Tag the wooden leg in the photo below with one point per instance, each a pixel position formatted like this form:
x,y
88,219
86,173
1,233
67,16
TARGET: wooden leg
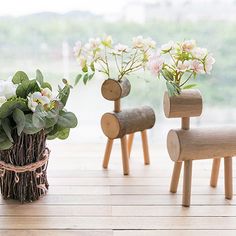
x,y
187,183
130,143
175,177
125,156
107,153
228,178
215,172
145,147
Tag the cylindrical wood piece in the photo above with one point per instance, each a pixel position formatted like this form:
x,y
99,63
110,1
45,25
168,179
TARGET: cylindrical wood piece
x,y
125,156
228,178
130,142
113,90
175,177
107,153
201,143
187,104
145,147
116,125
215,172
187,182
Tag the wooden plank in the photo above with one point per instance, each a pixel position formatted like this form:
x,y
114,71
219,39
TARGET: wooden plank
x,y
102,223
54,210
164,199
56,232
174,232
197,211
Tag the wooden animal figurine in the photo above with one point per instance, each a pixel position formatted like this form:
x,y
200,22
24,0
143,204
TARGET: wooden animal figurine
x,y
119,124
186,145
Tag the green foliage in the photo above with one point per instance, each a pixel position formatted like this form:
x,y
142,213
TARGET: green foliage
x,y
47,112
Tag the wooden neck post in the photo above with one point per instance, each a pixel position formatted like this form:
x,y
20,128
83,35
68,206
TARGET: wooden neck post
x,y
185,123
117,105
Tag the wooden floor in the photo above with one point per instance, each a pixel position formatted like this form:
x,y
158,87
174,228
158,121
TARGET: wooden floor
x,y
86,200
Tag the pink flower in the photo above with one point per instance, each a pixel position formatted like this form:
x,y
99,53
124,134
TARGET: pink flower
x,y
155,65
209,61
197,67
199,53
183,66
188,45
119,48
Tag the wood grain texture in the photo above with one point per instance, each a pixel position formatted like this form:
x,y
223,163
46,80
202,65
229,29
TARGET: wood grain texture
x,y
116,125
187,104
113,90
215,172
201,143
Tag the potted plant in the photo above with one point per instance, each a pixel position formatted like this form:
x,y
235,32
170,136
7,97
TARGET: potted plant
x,y
178,63
29,114
116,62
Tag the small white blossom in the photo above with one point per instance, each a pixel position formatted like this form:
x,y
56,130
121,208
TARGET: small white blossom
x,y
94,43
155,65
138,42
35,99
119,48
188,45
7,89
107,41
77,49
183,66
197,67
168,46
2,100
150,43
47,92
209,61
199,53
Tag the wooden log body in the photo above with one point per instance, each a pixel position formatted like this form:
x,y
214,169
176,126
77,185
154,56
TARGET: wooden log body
x,y
187,104
205,143
114,90
117,124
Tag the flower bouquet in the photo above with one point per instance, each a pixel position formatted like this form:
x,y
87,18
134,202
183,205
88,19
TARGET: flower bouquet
x,y
29,114
114,61
179,62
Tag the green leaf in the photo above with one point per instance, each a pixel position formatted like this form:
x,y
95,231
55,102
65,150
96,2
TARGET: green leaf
x,y
91,76
85,78
64,94
67,120
39,121
46,85
189,86
85,69
26,87
171,88
19,77
7,128
39,77
92,66
63,134
29,127
5,143
77,79
8,107
19,118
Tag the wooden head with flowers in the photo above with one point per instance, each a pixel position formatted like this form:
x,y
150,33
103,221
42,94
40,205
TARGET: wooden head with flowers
x,y
118,61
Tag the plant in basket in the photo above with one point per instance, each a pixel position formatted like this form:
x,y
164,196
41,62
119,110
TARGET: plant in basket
x,y
113,60
29,114
179,62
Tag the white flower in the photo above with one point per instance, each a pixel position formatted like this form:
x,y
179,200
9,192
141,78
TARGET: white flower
x,y
155,65
35,99
138,42
107,41
199,53
7,89
47,92
197,67
188,45
94,43
183,66
209,61
149,43
168,46
119,48
2,100
77,48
